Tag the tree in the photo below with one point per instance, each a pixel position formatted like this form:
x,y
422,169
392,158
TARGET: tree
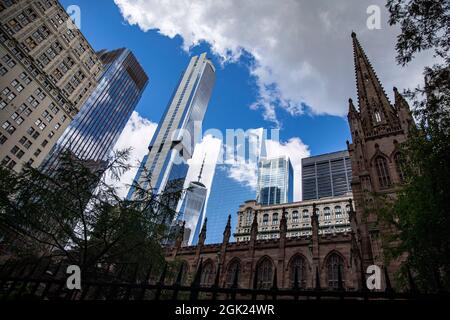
x,y
420,212
74,214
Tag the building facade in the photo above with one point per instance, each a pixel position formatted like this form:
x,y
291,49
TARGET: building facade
x,y
48,70
326,175
377,129
179,130
319,259
271,248
275,181
95,129
332,215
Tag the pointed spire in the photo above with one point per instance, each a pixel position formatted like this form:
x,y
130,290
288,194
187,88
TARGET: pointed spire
x,y
201,169
227,231
371,95
202,235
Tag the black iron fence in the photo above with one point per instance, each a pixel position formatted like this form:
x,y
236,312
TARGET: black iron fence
x,y
46,280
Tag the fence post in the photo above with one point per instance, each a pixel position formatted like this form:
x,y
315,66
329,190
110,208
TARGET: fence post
x,y
145,282
412,286
215,286
160,283
389,291
177,284
317,288
274,288
255,285
49,284
296,285
196,283
234,286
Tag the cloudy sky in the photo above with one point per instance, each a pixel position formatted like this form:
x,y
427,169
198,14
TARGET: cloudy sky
x,y
283,64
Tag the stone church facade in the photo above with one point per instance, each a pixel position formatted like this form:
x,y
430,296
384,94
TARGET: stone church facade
x,y
318,258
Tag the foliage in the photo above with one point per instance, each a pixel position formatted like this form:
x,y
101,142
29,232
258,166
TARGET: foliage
x,y
74,213
420,212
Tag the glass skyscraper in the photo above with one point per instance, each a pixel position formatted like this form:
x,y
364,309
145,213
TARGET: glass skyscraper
x,y
95,130
275,181
227,193
226,196
179,130
326,175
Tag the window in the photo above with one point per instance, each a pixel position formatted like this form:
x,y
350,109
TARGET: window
x,y
383,172
264,274
44,143
377,116
207,276
275,218
295,216
338,211
327,213
335,265
265,219
37,152
305,214
298,266
399,165
232,272
6,125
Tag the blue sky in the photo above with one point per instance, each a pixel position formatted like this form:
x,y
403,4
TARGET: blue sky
x,y
163,59
285,64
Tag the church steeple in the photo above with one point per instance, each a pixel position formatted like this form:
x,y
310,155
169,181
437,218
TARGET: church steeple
x,y
376,112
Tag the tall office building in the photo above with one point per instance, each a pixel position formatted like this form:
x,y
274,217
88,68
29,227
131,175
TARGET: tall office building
x,y
193,208
327,175
227,193
47,70
95,129
275,181
179,129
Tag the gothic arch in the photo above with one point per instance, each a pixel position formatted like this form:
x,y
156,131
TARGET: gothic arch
x,y
264,272
332,263
208,273
303,266
233,266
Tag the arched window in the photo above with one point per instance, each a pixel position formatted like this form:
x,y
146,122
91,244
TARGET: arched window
x,y
249,217
275,218
298,263
377,116
399,165
338,211
295,216
382,172
265,219
264,274
334,264
326,213
207,277
184,272
233,269
305,214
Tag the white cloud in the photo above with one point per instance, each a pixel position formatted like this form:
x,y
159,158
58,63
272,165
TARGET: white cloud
x,y
208,150
302,49
246,172
137,134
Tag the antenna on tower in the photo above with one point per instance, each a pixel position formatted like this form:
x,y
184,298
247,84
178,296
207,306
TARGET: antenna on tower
x,y
201,169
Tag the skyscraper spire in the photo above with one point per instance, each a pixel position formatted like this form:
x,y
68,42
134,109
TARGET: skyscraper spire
x,y
201,169
374,106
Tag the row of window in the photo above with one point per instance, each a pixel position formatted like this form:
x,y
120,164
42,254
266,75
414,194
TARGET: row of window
x,y
299,272
295,215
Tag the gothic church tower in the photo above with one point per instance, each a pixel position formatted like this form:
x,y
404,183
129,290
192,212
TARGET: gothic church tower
x,y
377,127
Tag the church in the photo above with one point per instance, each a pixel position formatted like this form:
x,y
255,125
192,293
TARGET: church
x,y
317,258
